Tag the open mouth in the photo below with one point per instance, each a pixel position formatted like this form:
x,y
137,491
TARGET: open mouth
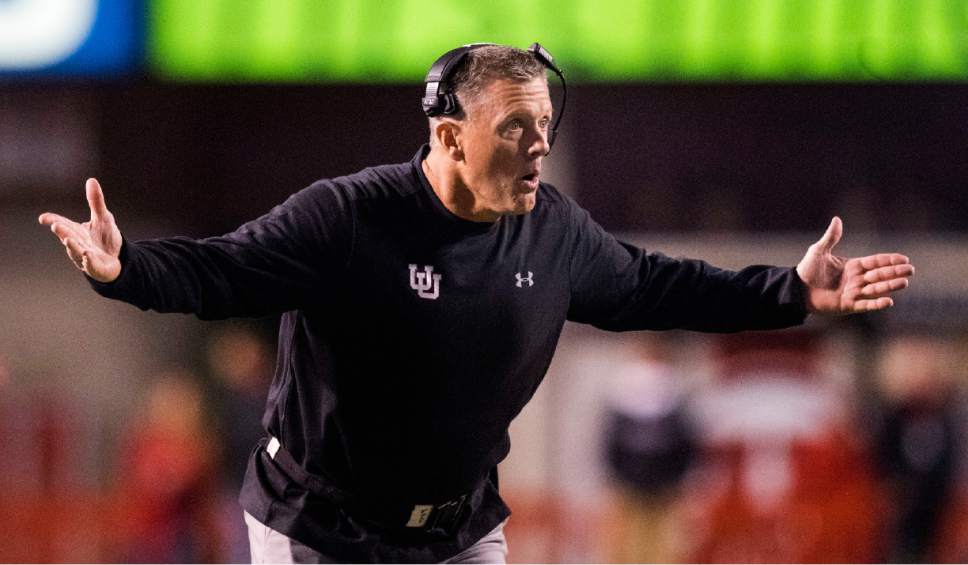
x,y
530,180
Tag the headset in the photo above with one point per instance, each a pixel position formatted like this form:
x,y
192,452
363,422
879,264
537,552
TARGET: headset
x,y
440,99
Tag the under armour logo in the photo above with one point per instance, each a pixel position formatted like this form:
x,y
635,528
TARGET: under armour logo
x,y
521,280
424,281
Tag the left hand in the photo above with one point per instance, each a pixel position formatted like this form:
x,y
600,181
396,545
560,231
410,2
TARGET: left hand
x,y
840,285
94,246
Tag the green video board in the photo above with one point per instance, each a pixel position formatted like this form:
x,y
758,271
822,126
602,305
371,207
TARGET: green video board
x,y
593,40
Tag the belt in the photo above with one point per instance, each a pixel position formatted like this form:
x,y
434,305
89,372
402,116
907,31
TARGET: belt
x,y
441,518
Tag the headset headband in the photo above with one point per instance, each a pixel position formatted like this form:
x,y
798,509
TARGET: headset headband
x,y
439,98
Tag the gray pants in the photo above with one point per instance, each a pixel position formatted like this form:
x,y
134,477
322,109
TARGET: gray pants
x,y
270,546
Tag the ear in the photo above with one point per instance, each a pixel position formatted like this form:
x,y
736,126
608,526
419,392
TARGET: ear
x,y
447,133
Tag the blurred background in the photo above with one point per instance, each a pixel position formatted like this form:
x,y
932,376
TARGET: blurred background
x,y
730,131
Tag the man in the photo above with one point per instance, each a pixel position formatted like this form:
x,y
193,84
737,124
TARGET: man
x,y
421,306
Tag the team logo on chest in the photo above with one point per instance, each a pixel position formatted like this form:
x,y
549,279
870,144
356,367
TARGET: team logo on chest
x,y
426,283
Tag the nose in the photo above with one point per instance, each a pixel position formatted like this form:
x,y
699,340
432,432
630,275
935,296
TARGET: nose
x,y
539,146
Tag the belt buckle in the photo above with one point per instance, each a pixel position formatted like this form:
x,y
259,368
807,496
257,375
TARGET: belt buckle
x,y
437,518
420,515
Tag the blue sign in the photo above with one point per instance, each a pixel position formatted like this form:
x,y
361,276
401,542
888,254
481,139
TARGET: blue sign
x,y
63,38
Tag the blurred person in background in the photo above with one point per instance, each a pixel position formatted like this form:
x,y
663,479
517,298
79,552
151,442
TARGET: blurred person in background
x,y
239,360
167,484
49,511
422,303
920,441
782,474
649,445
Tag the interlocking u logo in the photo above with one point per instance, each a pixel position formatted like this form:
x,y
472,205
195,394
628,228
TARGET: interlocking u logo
x,y
426,283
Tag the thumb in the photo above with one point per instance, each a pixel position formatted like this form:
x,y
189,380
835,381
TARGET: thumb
x,y
832,236
95,200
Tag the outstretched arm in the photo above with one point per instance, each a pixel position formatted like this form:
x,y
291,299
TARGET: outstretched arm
x,y
618,287
93,246
280,261
840,285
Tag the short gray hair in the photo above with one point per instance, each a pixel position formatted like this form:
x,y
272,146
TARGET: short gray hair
x,y
484,65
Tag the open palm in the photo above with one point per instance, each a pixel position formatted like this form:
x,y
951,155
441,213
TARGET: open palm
x,y
93,246
841,285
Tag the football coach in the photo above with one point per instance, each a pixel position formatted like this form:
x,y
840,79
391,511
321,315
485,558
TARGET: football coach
x,y
421,305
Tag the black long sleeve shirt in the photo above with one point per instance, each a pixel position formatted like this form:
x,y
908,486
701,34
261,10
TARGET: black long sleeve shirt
x,y
410,338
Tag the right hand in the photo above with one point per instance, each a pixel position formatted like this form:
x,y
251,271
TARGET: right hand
x,y
95,245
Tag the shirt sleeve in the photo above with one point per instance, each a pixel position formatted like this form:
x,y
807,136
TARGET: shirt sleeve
x,y
617,286
279,262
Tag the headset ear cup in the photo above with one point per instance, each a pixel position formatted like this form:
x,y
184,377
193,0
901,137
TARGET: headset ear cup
x,y
440,105
430,105
449,104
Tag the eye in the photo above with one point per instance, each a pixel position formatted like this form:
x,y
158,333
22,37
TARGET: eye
x,y
515,124
543,123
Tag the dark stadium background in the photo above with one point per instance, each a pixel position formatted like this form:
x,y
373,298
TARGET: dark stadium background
x,y
124,431
646,157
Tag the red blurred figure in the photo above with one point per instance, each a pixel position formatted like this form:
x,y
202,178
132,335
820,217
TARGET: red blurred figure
x,y
166,497
49,512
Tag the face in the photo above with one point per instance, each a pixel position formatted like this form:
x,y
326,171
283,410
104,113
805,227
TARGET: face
x,y
504,139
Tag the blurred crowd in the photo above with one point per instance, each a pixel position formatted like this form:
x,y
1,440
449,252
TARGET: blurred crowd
x,y
780,459
781,453
175,471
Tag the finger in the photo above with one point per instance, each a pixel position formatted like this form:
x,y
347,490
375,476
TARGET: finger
x,y
884,287
886,273
69,229
86,262
873,304
75,252
883,260
95,200
832,236
48,218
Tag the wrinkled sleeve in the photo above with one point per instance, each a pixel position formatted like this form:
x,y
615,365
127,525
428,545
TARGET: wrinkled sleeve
x,y
281,261
617,286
